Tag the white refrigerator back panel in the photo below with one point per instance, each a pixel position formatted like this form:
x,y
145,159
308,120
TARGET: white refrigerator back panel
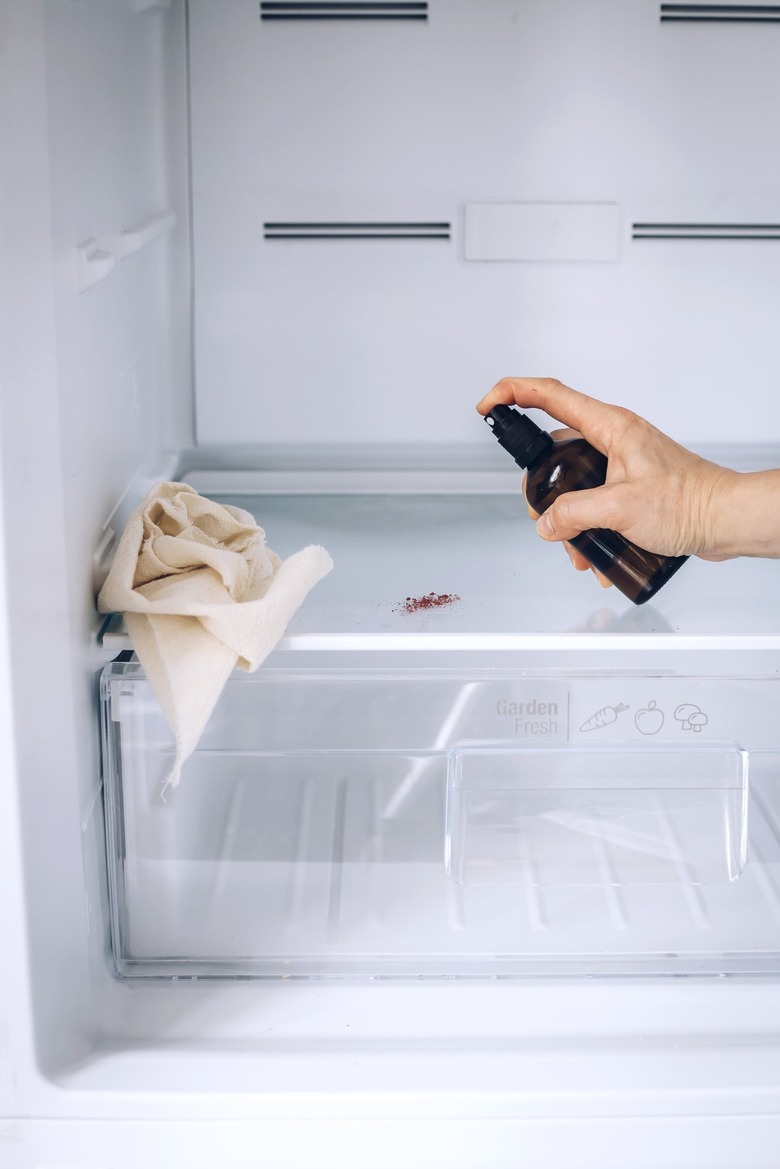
x,y
340,296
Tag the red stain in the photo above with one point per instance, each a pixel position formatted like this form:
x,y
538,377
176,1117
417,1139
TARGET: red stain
x,y
429,601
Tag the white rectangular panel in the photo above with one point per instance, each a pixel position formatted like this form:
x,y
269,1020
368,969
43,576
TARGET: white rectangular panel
x,y
542,231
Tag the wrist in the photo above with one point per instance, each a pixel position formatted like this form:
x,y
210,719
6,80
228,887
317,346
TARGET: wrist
x,y
744,515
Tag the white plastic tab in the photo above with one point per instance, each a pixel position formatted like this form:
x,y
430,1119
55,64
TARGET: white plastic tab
x,y
538,232
144,232
93,264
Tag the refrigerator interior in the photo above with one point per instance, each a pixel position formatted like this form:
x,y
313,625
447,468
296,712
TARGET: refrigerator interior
x,y
282,259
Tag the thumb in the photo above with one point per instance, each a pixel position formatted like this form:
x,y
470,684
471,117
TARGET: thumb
x,y
576,511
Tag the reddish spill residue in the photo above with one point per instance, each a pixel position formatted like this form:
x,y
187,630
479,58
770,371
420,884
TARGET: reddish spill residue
x,y
429,601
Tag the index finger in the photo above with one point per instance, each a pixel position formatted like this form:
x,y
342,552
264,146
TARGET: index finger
x,y
598,421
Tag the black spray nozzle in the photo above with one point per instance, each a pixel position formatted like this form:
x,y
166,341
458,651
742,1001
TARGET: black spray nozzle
x,y
522,438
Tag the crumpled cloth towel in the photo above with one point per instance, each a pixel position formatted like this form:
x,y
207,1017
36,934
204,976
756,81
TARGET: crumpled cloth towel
x,y
201,593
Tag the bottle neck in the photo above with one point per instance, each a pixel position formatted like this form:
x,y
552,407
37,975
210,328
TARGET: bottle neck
x,y
526,442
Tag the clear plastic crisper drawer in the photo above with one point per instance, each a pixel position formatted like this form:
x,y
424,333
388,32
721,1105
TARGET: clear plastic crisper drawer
x,y
447,822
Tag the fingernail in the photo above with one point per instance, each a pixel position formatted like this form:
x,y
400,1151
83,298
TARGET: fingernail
x,y
544,527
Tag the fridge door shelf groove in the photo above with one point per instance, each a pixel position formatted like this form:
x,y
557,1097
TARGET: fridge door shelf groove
x,y
144,233
93,264
96,259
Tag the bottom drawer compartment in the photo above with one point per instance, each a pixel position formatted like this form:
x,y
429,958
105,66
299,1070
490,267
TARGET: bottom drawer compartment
x,y
348,823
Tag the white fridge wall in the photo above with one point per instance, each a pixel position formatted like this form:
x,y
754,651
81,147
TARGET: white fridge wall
x,y
46,772
117,125
547,101
95,387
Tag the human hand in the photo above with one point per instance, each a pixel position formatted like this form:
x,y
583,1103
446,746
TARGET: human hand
x,y
657,494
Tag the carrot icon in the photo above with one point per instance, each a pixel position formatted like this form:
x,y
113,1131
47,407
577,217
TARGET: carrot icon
x,y
603,717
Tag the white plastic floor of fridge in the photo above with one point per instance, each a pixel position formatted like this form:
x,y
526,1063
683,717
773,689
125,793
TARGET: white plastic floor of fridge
x,y
484,549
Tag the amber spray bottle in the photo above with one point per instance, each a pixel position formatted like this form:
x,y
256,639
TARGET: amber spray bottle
x,y
572,464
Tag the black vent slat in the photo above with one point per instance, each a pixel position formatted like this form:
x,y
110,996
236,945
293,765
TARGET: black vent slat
x,y
338,16
349,10
722,9
706,231
315,5
713,226
700,235
356,230
358,226
720,20
357,235
721,13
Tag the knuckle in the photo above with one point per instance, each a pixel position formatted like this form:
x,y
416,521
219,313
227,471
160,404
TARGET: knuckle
x,y
627,420
504,385
563,508
558,517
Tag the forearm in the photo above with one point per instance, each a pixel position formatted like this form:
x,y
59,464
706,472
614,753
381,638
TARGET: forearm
x,y
746,515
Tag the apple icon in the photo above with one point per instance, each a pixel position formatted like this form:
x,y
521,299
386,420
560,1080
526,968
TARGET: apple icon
x,y
649,720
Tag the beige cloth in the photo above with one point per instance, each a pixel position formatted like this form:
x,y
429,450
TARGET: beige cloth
x,y
201,593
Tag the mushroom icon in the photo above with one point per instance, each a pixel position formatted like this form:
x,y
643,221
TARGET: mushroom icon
x,y
691,717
